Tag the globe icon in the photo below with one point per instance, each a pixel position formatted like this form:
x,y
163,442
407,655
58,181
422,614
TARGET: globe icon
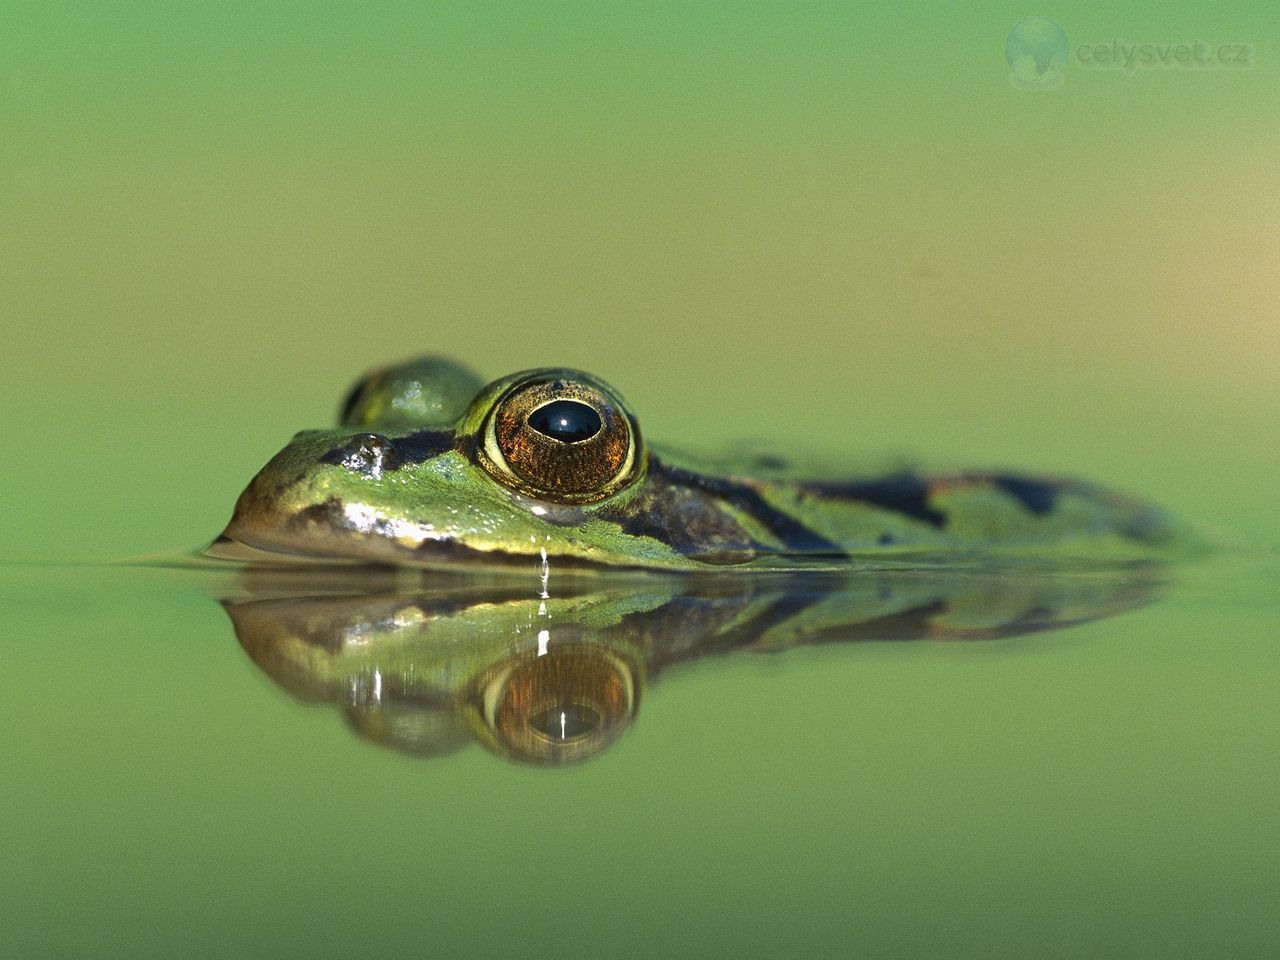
x,y
1036,51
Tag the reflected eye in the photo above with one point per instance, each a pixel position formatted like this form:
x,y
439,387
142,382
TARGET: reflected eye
x,y
560,436
565,705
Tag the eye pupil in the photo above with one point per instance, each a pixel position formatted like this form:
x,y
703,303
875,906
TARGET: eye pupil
x,y
565,723
569,421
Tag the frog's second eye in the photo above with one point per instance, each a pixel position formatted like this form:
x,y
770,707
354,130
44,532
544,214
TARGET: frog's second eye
x,y
562,438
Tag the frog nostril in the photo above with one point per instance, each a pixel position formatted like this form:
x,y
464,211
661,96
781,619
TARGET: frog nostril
x,y
368,453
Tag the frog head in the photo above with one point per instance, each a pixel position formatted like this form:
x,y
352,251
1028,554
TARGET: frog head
x,y
430,467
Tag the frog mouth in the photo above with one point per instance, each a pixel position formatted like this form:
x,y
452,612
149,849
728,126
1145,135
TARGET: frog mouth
x,y
332,532
435,554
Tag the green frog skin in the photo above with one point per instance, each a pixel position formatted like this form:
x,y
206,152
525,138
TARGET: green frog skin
x,y
432,468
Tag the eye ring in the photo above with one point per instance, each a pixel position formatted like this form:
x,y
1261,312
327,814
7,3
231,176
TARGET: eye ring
x,y
562,436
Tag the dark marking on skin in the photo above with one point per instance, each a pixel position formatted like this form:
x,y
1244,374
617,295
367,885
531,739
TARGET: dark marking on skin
x,y
908,493
795,536
1038,496
374,454
366,453
466,445
423,445
885,539
905,493
685,519
460,552
327,512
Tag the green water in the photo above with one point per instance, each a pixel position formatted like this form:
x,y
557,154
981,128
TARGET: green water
x,y
838,227
1103,790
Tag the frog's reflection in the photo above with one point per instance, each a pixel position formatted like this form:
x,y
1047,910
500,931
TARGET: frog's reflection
x,y
429,667
565,705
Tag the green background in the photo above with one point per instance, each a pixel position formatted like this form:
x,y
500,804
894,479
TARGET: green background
x,y
831,225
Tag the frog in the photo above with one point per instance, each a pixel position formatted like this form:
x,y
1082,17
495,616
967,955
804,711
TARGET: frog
x,y
432,467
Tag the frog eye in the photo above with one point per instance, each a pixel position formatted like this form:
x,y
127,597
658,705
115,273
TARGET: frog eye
x,y
560,436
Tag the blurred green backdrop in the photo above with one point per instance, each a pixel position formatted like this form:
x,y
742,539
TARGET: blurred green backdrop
x,y
836,223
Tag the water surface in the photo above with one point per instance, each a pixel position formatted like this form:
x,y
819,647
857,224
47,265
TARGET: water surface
x,y
960,766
